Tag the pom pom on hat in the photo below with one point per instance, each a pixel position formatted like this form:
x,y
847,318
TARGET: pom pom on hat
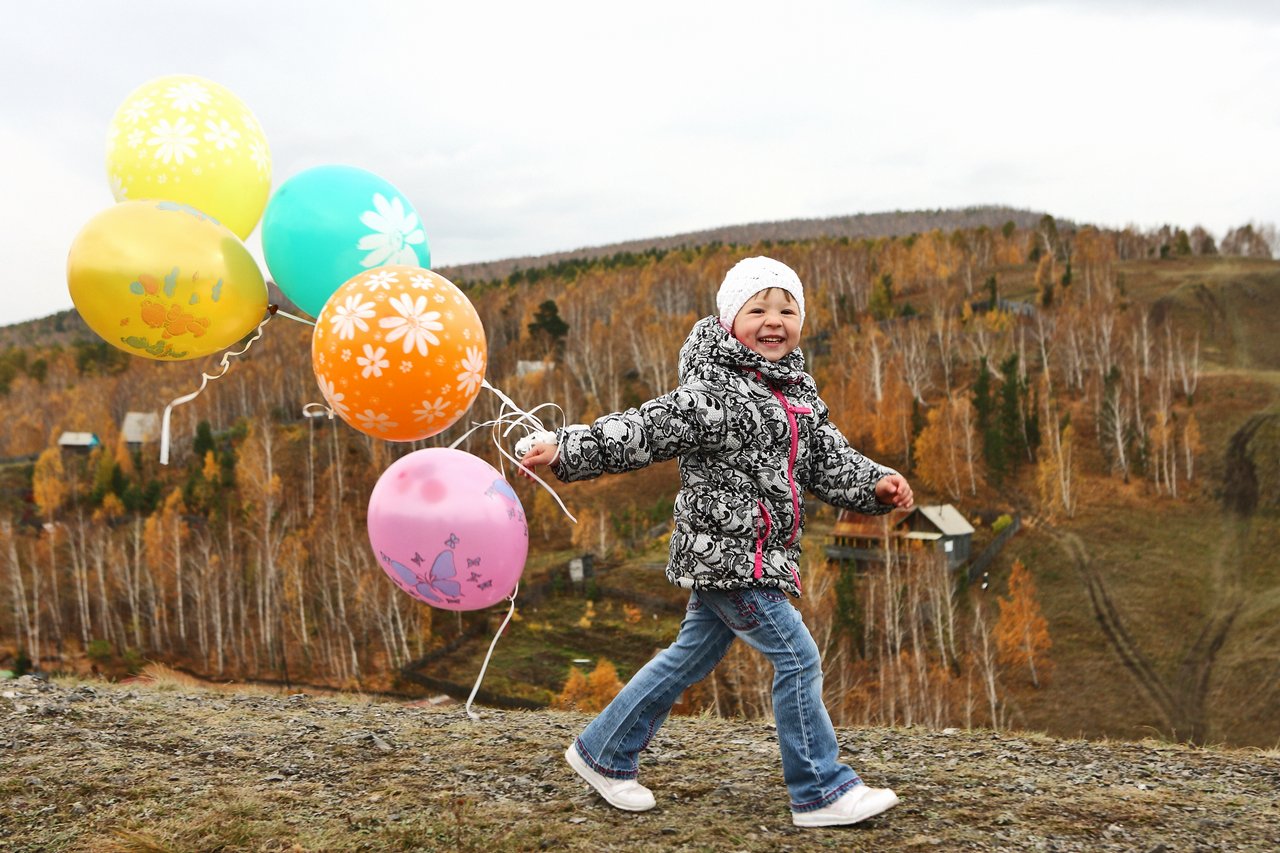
x,y
750,276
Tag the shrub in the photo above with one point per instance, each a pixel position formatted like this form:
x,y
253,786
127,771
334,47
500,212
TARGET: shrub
x,y
99,651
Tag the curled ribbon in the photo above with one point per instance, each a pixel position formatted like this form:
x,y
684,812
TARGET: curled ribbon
x,y
224,365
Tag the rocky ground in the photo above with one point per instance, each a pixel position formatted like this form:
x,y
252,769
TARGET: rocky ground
x,y
98,766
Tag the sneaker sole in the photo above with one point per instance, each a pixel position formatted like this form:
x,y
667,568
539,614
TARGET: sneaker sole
x,y
580,767
810,820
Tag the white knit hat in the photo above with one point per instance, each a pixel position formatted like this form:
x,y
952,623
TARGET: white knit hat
x,y
750,276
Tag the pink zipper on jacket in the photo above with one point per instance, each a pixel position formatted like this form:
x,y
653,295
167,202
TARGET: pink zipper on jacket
x,y
792,411
768,525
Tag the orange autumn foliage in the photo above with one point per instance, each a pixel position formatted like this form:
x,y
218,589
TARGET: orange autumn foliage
x,y
591,692
1022,632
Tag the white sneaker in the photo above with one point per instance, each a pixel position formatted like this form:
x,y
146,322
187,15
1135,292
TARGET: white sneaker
x,y
626,794
858,804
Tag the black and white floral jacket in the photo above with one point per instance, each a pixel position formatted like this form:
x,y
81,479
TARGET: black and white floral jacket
x,y
751,435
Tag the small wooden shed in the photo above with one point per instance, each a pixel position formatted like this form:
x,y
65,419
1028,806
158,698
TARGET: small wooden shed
x,y
947,527
78,442
140,428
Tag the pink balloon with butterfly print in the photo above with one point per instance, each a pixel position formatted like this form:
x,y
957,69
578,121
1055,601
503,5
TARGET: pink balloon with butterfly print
x,y
448,529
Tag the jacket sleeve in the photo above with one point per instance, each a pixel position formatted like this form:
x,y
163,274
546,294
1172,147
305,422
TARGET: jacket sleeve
x,y
840,475
690,418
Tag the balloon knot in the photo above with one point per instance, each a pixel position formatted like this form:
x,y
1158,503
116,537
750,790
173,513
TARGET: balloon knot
x,y
272,309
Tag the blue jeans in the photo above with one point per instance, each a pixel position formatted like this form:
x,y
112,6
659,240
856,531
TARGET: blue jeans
x,y
767,621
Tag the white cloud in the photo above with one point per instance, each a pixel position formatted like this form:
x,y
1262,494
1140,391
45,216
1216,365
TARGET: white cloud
x,y
46,202
522,128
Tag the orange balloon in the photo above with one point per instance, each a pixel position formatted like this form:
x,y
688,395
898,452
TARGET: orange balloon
x,y
399,353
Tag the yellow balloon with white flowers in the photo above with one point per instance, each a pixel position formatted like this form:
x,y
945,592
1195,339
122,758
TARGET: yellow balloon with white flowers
x,y
189,140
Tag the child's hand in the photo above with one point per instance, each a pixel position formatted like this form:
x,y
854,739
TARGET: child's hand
x,y
538,448
539,454
895,491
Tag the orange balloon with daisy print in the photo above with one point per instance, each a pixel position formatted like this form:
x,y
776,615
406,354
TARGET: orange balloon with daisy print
x,y
399,353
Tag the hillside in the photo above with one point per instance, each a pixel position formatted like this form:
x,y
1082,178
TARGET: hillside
x,y
174,766
898,223
1117,394
66,326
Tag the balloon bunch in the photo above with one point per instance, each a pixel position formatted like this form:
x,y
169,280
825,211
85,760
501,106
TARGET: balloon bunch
x,y
398,351
163,274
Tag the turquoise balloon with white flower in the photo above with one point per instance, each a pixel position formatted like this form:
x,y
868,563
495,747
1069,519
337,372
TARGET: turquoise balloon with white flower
x,y
329,223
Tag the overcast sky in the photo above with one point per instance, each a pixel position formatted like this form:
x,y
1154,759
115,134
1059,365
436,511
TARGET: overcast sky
x,y
527,128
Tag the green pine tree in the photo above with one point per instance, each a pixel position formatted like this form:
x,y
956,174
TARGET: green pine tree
x,y
548,324
880,303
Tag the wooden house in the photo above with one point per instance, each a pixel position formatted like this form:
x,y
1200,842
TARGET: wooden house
x,y
531,368
140,428
862,539
77,442
947,528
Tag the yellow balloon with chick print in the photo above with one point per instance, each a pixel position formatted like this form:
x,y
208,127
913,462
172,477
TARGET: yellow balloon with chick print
x,y
164,281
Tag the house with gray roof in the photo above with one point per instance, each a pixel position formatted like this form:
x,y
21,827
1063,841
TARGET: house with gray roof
x,y
140,428
862,539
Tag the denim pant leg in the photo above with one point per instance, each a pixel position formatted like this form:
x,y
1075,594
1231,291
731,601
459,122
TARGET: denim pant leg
x,y
612,742
767,621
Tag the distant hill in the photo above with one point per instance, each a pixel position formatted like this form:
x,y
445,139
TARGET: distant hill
x,y
856,226
63,328
66,326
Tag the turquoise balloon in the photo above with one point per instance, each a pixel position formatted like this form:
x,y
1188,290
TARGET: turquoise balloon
x,y
328,224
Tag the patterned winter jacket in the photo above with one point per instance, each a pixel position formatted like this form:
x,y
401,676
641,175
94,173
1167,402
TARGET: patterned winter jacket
x,y
751,435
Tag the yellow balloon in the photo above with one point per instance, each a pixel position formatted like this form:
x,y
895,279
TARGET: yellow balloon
x,y
165,281
186,139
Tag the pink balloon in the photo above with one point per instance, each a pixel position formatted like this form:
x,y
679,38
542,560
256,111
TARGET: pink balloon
x,y
448,529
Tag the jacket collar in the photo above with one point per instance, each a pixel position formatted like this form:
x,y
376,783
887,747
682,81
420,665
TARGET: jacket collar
x,y
709,342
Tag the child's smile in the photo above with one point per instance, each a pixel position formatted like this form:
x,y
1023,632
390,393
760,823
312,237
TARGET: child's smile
x,y
769,324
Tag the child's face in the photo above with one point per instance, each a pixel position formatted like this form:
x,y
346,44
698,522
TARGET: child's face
x,y
769,323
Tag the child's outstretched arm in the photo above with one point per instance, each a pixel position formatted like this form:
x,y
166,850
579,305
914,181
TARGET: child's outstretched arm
x,y
685,419
843,477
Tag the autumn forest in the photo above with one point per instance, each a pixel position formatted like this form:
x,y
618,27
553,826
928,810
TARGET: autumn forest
x,y
1098,385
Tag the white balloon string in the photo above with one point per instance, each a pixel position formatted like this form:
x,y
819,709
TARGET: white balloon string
x,y
475,425
484,383
513,420
484,666
518,417
294,317
205,378
306,410
533,418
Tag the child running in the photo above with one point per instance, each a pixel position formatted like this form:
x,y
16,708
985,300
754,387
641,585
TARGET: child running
x,y
751,434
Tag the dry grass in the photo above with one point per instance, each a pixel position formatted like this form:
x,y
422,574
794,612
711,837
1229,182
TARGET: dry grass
x,y
1160,560
162,677
132,768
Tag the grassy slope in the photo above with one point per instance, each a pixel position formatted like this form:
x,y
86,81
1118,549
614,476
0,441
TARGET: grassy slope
x,y
1163,559
1161,564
